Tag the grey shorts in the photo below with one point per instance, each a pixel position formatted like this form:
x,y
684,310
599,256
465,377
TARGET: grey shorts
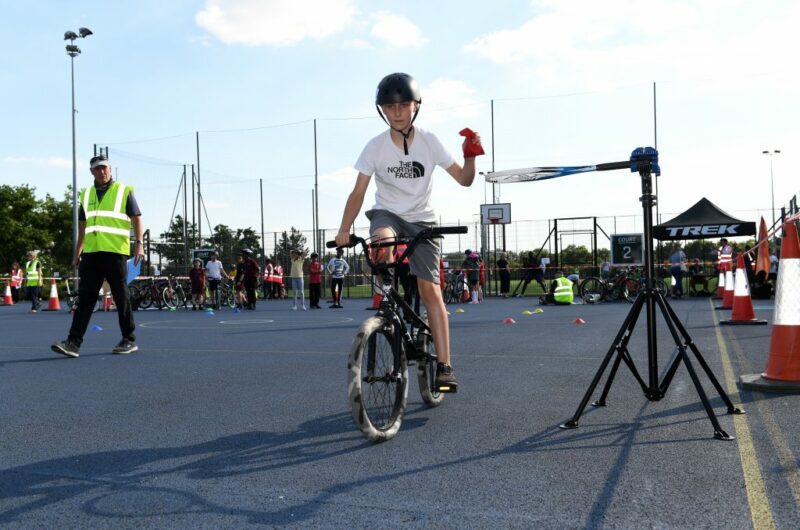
x,y
424,261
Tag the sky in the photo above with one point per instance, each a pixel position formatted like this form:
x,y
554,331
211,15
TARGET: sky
x,y
711,84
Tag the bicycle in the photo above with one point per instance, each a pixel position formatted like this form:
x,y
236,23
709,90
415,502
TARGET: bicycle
x,y
174,296
454,287
150,294
624,286
72,300
386,343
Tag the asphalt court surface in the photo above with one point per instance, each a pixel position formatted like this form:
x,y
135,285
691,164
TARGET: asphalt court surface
x,y
237,419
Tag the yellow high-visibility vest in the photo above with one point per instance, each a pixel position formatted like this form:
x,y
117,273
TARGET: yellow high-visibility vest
x,y
563,292
32,273
108,227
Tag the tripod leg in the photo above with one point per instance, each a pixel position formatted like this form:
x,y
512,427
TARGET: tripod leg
x,y
707,369
719,432
623,334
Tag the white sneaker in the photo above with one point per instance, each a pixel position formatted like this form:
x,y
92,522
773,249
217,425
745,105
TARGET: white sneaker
x,y
294,308
304,308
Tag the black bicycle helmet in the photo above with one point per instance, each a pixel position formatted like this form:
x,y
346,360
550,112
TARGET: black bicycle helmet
x,y
247,252
398,88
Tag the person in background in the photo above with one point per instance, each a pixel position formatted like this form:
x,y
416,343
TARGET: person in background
x,y
314,281
472,266
197,279
33,280
481,278
724,256
214,273
298,257
266,284
560,291
238,283
505,275
16,281
605,270
773,265
677,266
697,277
250,277
337,267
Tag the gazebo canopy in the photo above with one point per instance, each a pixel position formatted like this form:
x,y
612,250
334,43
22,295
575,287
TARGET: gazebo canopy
x,y
704,220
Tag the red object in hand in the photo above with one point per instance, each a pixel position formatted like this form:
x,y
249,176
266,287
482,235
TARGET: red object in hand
x,y
471,149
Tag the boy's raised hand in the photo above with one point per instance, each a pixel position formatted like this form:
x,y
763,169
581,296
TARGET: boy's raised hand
x,y
472,143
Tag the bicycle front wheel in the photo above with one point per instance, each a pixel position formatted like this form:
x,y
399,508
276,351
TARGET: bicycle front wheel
x,y
426,368
377,380
630,290
592,290
145,297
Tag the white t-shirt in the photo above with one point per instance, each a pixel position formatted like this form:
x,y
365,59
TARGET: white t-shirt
x,y
403,181
214,269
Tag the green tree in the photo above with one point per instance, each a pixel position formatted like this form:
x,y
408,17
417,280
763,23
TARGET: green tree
x,y
24,226
172,248
224,241
289,241
575,255
247,238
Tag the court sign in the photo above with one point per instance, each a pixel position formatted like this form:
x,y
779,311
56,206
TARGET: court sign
x,y
627,249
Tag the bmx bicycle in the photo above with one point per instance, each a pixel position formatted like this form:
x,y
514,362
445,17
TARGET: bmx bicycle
x,y
387,343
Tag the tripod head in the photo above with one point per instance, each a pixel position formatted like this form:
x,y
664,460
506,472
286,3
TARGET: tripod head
x,y
645,160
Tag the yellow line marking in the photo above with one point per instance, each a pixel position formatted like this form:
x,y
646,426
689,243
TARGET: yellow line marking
x,y
788,462
760,509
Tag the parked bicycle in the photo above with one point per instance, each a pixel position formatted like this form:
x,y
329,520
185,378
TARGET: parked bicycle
x,y
377,368
150,294
174,295
72,299
624,286
454,287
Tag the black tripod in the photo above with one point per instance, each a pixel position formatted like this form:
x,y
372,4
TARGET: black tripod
x,y
645,161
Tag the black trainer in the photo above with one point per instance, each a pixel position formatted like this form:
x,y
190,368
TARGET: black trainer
x,y
445,378
125,347
66,347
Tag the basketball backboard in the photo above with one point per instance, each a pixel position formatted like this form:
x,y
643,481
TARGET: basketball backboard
x,y
496,213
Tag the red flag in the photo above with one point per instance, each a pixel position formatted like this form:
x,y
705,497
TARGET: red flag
x,y
762,249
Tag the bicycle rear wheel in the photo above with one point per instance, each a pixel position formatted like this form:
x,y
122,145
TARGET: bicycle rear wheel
x,y
630,290
377,380
426,368
145,297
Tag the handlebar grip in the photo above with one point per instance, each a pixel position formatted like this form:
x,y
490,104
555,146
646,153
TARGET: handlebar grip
x,y
353,242
442,230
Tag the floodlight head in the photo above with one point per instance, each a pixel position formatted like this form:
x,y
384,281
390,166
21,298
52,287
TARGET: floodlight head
x,y
73,50
70,35
85,32
764,152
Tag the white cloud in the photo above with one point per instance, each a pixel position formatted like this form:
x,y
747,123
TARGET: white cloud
x,y
42,161
357,44
443,99
275,23
343,175
397,31
601,43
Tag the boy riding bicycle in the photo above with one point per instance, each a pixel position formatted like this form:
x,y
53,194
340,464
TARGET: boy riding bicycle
x,y
402,160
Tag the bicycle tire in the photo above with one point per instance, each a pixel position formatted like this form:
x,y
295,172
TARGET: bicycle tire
x,y
630,290
592,287
458,292
660,286
146,297
426,368
377,380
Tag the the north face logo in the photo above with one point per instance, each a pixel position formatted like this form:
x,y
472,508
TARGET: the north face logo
x,y
407,170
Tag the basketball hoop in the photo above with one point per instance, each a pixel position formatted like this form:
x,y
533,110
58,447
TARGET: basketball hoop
x,y
494,219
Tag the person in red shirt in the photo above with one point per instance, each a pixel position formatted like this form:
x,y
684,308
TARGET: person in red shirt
x,y
315,281
197,277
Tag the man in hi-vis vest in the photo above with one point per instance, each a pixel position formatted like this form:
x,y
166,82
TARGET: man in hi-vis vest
x,y
560,291
108,211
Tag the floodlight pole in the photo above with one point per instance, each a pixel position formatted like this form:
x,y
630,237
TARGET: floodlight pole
x,y
73,51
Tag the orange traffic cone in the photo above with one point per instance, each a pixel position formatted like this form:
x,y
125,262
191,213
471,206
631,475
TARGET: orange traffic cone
x,y
783,364
727,296
509,320
742,302
107,302
7,298
376,301
720,285
53,304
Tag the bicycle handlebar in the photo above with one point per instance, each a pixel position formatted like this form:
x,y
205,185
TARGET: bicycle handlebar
x,y
426,233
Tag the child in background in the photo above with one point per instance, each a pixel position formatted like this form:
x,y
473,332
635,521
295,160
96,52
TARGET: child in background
x,y
197,277
315,281
297,278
